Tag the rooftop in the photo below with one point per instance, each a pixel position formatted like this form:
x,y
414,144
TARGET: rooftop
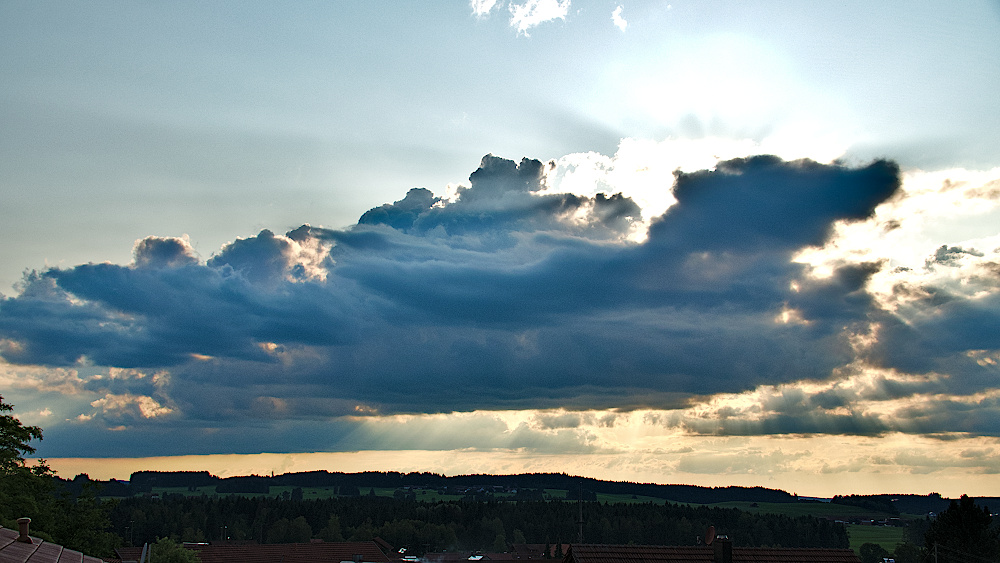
x,y
37,551
314,552
590,553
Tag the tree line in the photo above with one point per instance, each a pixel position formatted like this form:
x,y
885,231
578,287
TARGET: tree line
x,y
468,525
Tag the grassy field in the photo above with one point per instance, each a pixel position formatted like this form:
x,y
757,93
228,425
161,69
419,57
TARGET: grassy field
x,y
628,499
886,536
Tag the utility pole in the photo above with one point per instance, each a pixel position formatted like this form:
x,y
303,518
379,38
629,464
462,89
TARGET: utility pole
x,y
579,503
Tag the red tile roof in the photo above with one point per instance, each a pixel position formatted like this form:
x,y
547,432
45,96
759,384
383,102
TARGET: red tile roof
x,y
313,552
536,550
38,551
590,553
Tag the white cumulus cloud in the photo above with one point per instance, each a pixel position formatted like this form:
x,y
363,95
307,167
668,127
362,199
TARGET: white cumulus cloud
x,y
528,14
617,18
481,8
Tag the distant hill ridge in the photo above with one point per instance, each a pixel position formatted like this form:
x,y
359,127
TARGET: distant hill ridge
x,y
145,480
356,483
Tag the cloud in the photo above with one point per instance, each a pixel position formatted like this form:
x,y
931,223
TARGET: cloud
x,y
65,381
935,300
515,292
130,406
618,20
531,13
481,431
750,460
524,15
505,291
481,8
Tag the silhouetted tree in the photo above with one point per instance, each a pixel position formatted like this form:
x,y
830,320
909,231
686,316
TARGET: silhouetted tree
x,y
872,553
909,553
961,530
77,521
166,550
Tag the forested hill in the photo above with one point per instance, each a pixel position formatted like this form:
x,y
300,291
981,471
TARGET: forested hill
x,y
907,504
145,481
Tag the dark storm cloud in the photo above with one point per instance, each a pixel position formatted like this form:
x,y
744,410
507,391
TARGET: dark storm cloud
x,y
262,258
950,256
950,323
764,203
402,214
957,336
501,202
154,252
509,296
147,317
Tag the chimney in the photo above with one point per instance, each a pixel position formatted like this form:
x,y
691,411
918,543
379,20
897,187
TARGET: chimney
x,y
723,550
22,528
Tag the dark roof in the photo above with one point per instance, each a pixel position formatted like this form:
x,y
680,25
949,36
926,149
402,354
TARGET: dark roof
x,y
313,552
446,557
384,546
536,550
591,553
38,551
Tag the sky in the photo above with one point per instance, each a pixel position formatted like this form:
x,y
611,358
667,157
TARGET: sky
x,y
713,243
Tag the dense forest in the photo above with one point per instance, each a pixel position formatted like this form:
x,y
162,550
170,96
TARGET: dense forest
x,y
454,525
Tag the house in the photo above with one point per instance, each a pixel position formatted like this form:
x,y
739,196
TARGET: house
x,y
313,552
720,551
19,547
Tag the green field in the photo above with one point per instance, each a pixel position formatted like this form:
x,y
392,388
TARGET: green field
x,y
886,536
628,499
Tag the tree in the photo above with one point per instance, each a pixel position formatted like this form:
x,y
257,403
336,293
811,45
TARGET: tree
x,y
24,491
909,553
299,530
79,522
518,536
500,543
166,550
331,532
14,438
961,530
872,553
